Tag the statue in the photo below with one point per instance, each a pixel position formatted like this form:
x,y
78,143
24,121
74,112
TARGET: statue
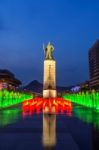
x,y
48,51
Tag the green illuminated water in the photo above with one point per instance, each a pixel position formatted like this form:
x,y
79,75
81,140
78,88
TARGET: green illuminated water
x,y
86,99
9,116
86,115
9,98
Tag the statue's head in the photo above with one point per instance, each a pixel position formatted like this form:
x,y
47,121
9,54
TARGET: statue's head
x,y
50,46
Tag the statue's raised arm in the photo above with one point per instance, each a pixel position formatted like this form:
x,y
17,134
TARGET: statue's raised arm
x,y
48,51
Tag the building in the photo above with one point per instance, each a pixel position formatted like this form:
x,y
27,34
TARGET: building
x,y
8,80
94,65
85,86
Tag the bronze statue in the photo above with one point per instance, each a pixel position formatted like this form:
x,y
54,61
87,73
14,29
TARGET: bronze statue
x,y
48,51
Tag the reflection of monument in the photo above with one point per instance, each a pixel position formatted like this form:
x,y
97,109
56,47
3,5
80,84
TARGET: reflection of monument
x,y
49,82
49,131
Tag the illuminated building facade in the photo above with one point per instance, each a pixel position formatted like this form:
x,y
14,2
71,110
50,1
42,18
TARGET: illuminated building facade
x,y
94,65
8,80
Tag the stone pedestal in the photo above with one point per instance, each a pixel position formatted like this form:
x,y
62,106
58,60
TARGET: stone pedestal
x,y
49,82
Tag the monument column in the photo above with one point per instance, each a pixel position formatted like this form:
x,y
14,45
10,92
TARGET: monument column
x,y
49,81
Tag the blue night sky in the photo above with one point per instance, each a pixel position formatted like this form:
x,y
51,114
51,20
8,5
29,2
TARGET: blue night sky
x,y
71,25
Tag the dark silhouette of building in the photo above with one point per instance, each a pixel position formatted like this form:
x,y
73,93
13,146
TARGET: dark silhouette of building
x,y
8,80
94,65
85,86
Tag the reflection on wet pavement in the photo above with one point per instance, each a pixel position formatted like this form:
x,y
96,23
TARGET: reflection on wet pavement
x,y
78,131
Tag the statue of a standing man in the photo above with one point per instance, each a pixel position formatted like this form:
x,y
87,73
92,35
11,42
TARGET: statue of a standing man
x,y
48,51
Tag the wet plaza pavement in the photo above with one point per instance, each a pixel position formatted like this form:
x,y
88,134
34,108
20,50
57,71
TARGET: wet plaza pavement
x,y
75,130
